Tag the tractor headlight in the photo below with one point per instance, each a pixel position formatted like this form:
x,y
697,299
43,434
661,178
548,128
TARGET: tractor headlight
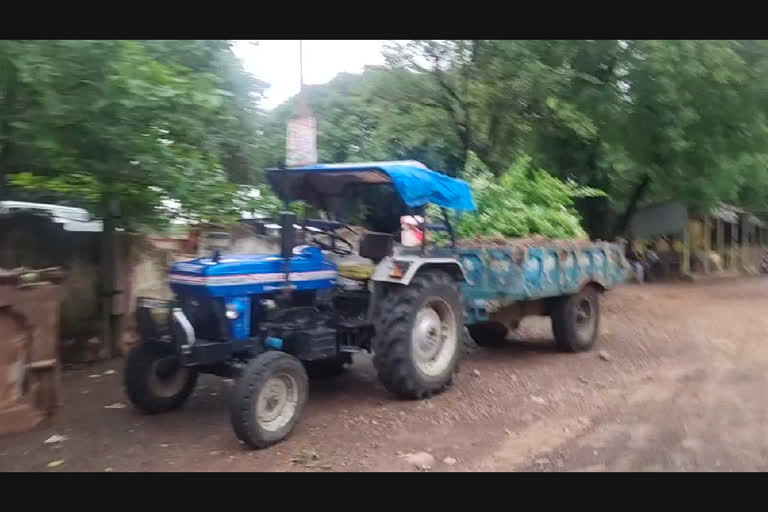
x,y
231,312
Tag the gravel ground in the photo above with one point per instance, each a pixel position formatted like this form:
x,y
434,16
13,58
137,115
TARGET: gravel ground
x,y
680,386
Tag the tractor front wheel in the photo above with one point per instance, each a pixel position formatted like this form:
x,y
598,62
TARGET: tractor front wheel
x,y
154,380
268,399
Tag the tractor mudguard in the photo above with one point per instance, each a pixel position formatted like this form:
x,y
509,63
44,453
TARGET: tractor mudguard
x,y
402,269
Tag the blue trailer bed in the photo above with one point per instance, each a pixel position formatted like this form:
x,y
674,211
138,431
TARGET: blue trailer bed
x,y
497,276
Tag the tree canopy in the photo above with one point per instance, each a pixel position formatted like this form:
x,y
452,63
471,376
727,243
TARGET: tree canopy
x,y
643,121
149,121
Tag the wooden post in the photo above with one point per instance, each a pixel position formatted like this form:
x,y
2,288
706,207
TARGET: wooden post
x,y
744,246
707,243
720,240
110,322
734,247
107,276
686,263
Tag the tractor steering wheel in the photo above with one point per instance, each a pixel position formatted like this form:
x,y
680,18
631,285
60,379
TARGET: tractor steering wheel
x,y
328,247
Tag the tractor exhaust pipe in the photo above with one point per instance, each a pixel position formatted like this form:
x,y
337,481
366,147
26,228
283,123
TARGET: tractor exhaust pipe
x,y
287,234
287,243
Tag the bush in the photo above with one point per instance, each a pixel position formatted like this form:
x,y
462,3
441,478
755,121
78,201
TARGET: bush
x,y
521,202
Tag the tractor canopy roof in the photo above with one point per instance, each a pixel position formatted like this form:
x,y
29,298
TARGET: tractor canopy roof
x,y
324,185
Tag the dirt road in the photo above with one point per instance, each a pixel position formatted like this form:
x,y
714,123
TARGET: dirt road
x,y
681,386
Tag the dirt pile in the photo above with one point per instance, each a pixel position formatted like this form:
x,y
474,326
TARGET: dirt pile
x,y
525,242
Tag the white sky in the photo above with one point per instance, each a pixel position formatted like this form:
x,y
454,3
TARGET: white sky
x,y
277,63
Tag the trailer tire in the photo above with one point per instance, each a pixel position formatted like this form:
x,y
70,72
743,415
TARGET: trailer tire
x,y
489,334
419,335
152,383
268,399
576,320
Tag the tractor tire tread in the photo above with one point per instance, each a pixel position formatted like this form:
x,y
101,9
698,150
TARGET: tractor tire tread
x,y
392,342
135,381
246,391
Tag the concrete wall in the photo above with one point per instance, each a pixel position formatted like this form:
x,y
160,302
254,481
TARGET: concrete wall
x,y
246,242
149,271
660,219
171,244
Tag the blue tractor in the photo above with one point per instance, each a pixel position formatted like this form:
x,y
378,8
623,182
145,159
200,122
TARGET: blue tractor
x,y
270,320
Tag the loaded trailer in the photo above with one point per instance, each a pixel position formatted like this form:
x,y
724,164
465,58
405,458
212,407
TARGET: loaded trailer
x,y
271,320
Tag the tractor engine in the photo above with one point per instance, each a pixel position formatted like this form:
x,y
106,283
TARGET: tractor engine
x,y
244,304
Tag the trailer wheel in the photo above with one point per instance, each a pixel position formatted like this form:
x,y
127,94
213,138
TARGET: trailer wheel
x,y
419,335
154,380
576,320
268,399
489,334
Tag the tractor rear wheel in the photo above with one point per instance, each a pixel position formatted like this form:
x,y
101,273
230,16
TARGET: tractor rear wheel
x,y
268,399
154,380
419,335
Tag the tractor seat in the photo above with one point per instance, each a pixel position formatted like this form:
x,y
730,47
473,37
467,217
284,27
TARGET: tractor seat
x,y
373,248
356,271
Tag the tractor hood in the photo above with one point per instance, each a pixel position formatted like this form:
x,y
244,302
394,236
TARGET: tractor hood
x,y
234,275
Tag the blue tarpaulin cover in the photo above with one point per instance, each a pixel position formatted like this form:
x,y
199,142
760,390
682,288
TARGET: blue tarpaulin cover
x,y
414,182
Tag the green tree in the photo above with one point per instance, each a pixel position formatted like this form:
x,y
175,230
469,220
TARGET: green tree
x,y
645,121
133,124
494,93
522,201
143,122
366,117
675,120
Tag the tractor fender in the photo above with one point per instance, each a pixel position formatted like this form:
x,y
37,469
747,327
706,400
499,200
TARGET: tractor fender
x,y
402,269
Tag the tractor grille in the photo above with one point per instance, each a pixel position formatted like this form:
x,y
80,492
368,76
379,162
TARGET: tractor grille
x,y
207,317
153,318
